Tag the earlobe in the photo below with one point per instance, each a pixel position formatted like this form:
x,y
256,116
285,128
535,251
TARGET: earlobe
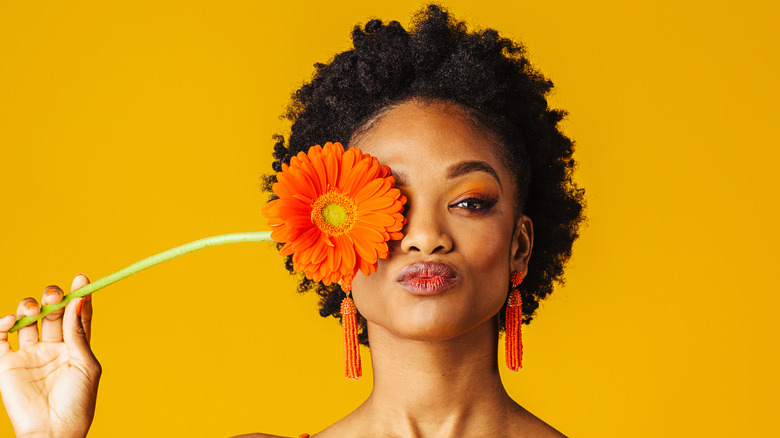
x,y
522,244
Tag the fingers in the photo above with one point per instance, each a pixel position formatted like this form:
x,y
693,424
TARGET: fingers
x,y
74,335
27,335
51,324
80,281
6,323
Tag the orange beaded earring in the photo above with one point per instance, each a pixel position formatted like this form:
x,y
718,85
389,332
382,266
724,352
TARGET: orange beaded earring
x,y
514,319
352,367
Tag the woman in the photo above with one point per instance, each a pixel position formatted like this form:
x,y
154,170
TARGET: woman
x,y
462,120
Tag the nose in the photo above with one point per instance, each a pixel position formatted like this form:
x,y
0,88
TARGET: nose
x,y
425,232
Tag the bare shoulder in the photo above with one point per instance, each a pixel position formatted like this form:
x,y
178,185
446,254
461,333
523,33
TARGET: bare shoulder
x,y
258,435
529,425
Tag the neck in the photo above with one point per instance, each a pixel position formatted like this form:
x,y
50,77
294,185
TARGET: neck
x,y
436,389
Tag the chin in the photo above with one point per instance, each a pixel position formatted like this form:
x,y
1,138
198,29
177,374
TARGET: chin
x,y
431,329
398,314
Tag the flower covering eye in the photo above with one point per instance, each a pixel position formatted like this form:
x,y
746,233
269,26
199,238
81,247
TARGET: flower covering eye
x,y
335,213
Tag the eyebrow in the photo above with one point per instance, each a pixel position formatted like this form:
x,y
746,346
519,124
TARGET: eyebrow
x,y
455,171
465,167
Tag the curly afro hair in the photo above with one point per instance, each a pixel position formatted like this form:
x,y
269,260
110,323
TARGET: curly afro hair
x,y
492,80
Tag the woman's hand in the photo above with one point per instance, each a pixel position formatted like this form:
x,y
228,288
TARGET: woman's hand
x,y
49,385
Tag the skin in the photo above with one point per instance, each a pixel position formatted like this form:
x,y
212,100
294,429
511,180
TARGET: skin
x,y
434,357
54,371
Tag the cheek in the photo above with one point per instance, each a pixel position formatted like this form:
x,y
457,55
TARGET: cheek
x,y
370,304
490,250
489,263
486,245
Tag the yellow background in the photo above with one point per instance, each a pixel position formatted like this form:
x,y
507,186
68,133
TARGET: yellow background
x,y
128,128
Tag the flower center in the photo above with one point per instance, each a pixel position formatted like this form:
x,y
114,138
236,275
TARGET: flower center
x,y
334,213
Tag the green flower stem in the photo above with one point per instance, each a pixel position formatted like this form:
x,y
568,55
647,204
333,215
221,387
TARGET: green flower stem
x,y
257,236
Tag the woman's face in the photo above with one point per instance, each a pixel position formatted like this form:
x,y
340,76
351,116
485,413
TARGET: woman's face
x,y
450,273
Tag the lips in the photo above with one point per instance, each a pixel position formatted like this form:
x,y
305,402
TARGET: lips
x,y
427,278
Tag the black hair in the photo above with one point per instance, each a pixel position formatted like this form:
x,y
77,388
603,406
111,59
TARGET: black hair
x,y
492,80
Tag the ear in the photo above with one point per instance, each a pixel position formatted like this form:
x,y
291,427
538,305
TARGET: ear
x,y
522,244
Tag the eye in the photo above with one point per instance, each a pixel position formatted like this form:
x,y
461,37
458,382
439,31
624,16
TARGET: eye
x,y
476,203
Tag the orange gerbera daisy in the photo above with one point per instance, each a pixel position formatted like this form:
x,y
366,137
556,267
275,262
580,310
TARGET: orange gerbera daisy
x,y
335,213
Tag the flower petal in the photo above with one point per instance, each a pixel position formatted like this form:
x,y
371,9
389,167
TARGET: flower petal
x,y
366,267
298,221
347,250
394,235
347,163
376,204
353,178
364,249
369,233
380,219
368,190
321,175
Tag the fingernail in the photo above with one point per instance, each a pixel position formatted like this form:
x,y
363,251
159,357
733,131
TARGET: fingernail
x,y
30,306
52,292
79,306
10,314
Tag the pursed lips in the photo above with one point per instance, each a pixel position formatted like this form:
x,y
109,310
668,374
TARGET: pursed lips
x,y
427,278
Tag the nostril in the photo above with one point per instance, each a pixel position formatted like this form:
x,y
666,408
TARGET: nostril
x,y
439,248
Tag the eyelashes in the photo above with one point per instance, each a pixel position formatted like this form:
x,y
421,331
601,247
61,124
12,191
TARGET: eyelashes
x,y
476,203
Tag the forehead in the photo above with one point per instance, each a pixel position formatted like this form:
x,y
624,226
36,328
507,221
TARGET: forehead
x,y
430,135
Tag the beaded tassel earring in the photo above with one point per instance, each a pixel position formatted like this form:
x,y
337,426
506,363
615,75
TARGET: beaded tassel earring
x,y
352,367
514,319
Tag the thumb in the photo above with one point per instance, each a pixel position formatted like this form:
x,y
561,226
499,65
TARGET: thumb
x,y
74,335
